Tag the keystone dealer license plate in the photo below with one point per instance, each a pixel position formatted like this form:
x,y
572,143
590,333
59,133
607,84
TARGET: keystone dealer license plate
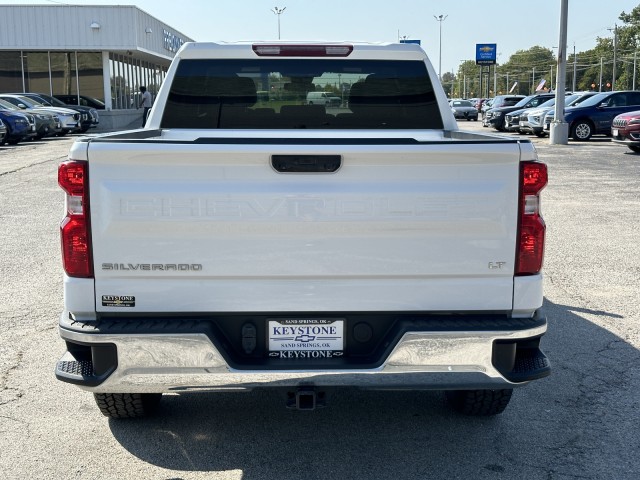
x,y
305,338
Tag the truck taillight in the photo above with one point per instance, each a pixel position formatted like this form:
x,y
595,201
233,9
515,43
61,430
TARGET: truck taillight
x,y
531,227
74,230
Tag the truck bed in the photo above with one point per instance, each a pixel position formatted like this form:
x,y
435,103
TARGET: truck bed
x,y
405,223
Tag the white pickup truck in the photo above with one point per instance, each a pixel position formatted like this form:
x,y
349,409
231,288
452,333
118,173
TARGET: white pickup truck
x,y
245,241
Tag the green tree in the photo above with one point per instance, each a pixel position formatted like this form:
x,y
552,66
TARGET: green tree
x,y
468,79
598,59
449,85
591,63
528,68
628,41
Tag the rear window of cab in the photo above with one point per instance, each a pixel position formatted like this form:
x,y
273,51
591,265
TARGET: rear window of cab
x,y
274,94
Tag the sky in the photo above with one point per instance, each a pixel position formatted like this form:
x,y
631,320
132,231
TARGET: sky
x,y
512,25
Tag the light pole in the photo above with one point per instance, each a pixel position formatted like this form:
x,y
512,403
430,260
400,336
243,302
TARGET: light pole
x,y
278,11
559,129
440,19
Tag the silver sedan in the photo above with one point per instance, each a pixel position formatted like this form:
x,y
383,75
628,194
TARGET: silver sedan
x,y
463,109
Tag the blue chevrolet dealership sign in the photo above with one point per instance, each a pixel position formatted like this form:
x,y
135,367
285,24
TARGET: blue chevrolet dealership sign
x,y
486,53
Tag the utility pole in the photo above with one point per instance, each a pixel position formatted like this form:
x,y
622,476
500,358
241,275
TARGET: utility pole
x,y
573,88
495,80
600,86
635,58
440,19
533,81
615,45
278,11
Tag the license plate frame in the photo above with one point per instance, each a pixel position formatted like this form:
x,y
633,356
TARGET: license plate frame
x,y
305,337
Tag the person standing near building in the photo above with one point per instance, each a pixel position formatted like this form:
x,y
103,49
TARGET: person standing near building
x,y
145,102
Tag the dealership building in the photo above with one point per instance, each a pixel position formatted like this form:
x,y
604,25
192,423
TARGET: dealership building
x,y
100,52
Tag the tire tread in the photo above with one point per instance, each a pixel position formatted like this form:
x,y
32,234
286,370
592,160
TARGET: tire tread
x,y
126,405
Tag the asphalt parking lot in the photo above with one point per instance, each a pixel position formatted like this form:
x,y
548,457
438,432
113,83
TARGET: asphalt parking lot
x,y
579,423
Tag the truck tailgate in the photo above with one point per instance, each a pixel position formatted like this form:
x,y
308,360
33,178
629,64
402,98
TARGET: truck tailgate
x,y
415,227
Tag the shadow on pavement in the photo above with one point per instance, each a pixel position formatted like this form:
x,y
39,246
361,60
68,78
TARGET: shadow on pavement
x,y
572,424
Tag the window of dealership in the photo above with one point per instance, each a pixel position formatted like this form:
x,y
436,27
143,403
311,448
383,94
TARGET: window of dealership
x,y
79,73
99,52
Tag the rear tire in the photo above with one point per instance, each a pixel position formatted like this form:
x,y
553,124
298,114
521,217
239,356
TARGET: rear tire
x,y
127,405
634,148
479,402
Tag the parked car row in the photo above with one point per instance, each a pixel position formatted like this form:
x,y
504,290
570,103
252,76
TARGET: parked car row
x,y
531,120
25,116
595,115
18,126
89,117
480,104
587,114
506,104
613,114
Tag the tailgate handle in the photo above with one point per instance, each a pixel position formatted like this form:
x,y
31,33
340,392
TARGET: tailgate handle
x,y
306,163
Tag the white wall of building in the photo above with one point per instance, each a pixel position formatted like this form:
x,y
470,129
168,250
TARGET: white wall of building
x,y
132,48
69,27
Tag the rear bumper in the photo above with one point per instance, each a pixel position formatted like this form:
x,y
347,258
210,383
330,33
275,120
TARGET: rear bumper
x,y
156,355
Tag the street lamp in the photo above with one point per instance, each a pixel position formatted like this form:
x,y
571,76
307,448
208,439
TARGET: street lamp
x,y
278,11
559,129
440,18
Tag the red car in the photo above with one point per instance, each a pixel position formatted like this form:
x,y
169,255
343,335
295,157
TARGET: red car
x,y
625,130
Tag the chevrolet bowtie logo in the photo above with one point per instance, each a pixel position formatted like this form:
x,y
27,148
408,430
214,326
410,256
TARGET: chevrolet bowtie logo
x,y
305,338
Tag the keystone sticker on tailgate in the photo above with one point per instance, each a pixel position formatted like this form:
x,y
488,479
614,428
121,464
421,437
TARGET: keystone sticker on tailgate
x,y
118,301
